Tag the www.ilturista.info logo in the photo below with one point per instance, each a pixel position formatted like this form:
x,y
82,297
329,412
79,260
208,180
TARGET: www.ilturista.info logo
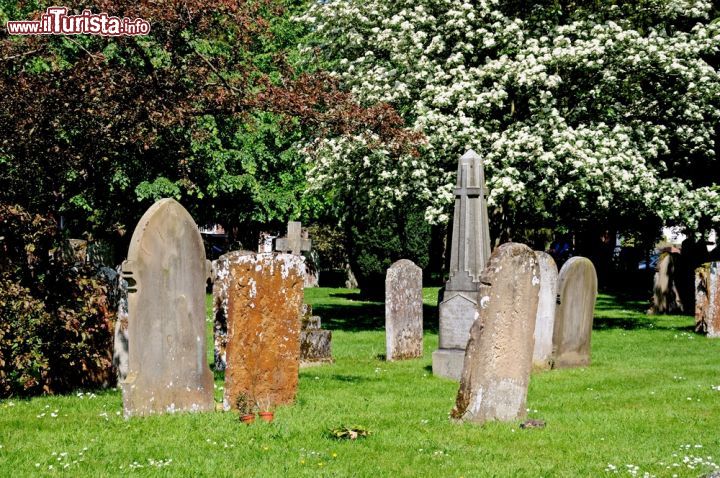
x,y
56,21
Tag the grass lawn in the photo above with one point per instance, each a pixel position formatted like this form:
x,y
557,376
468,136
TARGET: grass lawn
x,y
650,403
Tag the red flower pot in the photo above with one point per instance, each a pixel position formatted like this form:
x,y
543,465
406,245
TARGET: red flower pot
x,y
267,416
247,418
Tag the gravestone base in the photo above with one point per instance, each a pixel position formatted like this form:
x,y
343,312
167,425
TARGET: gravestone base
x,y
457,314
570,360
448,363
143,396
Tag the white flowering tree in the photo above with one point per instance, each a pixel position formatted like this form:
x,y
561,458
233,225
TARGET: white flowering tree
x,y
605,113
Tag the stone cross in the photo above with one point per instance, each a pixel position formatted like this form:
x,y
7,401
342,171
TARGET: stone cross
x,y
294,242
577,291
166,272
498,358
469,252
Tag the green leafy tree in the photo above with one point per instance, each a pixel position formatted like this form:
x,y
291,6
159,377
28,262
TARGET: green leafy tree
x,y
588,114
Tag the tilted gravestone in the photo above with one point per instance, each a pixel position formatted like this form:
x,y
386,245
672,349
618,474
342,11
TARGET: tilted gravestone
x,y
577,291
469,252
221,283
166,271
315,343
545,319
263,328
498,359
403,311
707,299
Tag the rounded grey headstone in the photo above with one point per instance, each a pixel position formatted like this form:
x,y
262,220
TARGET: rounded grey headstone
x,y
577,291
166,271
545,319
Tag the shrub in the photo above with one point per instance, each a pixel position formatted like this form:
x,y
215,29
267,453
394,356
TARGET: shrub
x,y
24,367
376,242
56,326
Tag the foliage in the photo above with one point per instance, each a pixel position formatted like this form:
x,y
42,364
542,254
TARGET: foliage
x,y
205,109
376,242
585,112
24,368
55,321
349,433
328,243
244,404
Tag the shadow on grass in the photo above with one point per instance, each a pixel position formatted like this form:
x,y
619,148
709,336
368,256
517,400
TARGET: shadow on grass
x,y
352,317
349,295
365,316
611,312
350,378
630,313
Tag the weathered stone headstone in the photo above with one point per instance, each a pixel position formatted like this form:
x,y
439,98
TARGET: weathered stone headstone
x,y
577,291
470,250
221,283
498,359
263,328
403,311
315,343
545,319
166,271
666,297
707,299
121,343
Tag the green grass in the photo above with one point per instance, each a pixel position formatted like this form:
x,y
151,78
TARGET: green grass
x,y
646,397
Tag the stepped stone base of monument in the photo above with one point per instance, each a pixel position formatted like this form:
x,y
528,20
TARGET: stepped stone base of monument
x,y
315,343
448,363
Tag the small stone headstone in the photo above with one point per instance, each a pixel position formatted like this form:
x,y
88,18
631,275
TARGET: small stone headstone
x,y
263,328
166,272
221,283
545,319
403,311
315,343
707,299
577,291
498,358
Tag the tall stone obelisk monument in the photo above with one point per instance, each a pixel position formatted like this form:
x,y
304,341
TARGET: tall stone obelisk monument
x,y
469,252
